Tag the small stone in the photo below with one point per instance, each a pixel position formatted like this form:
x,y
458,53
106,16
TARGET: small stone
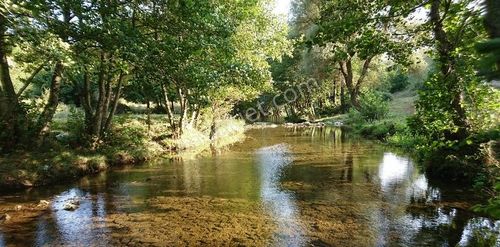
x,y
71,205
4,218
27,183
18,208
43,204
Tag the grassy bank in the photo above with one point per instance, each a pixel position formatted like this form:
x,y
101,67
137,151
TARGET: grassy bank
x,y
134,140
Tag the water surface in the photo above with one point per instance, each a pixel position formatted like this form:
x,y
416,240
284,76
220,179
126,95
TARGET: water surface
x,y
280,187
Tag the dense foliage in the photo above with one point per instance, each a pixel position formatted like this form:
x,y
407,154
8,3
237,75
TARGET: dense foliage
x,y
92,53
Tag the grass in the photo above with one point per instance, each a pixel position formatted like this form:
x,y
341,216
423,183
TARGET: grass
x,y
402,105
133,140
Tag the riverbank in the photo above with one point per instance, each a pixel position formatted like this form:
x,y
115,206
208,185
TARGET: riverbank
x,y
134,140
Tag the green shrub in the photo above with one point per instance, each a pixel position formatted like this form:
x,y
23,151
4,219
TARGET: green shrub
x,y
75,126
373,106
131,137
379,130
354,118
398,82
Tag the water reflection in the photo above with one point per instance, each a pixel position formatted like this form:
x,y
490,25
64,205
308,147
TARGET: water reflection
x,y
281,203
79,227
334,185
394,171
2,241
481,231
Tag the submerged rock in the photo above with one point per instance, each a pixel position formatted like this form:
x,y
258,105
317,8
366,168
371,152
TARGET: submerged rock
x,y
71,205
4,218
43,204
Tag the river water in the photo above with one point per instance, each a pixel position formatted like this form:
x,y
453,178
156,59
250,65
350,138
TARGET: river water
x,y
280,187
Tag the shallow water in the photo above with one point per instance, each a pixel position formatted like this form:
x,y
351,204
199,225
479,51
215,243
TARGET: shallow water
x,y
281,187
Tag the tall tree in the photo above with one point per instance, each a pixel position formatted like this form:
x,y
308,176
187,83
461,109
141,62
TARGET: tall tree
x,y
358,33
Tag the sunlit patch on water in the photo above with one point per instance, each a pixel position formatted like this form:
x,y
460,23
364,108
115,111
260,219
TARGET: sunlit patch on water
x,y
481,231
393,171
441,217
78,227
279,202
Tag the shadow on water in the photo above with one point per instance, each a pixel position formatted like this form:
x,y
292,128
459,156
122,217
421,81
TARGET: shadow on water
x,y
303,186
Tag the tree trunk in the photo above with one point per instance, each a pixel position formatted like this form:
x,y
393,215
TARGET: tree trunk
x,y
29,80
334,93
353,87
343,105
11,115
447,67
194,116
114,105
86,100
96,126
169,108
50,108
107,102
183,101
213,125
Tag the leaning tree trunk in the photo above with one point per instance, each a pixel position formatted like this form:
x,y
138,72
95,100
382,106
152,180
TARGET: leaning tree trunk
x,y
42,126
354,87
11,114
342,98
169,108
114,104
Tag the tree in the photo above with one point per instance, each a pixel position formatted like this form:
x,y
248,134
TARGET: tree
x,y
442,106
12,116
358,33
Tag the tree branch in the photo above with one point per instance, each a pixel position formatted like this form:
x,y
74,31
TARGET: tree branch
x,y
364,72
30,79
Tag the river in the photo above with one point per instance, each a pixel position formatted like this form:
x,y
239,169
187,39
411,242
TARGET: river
x,y
280,187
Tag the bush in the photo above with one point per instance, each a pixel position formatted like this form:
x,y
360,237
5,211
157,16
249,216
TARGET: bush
x,y
75,125
330,111
131,137
294,119
373,106
398,82
355,118
380,131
